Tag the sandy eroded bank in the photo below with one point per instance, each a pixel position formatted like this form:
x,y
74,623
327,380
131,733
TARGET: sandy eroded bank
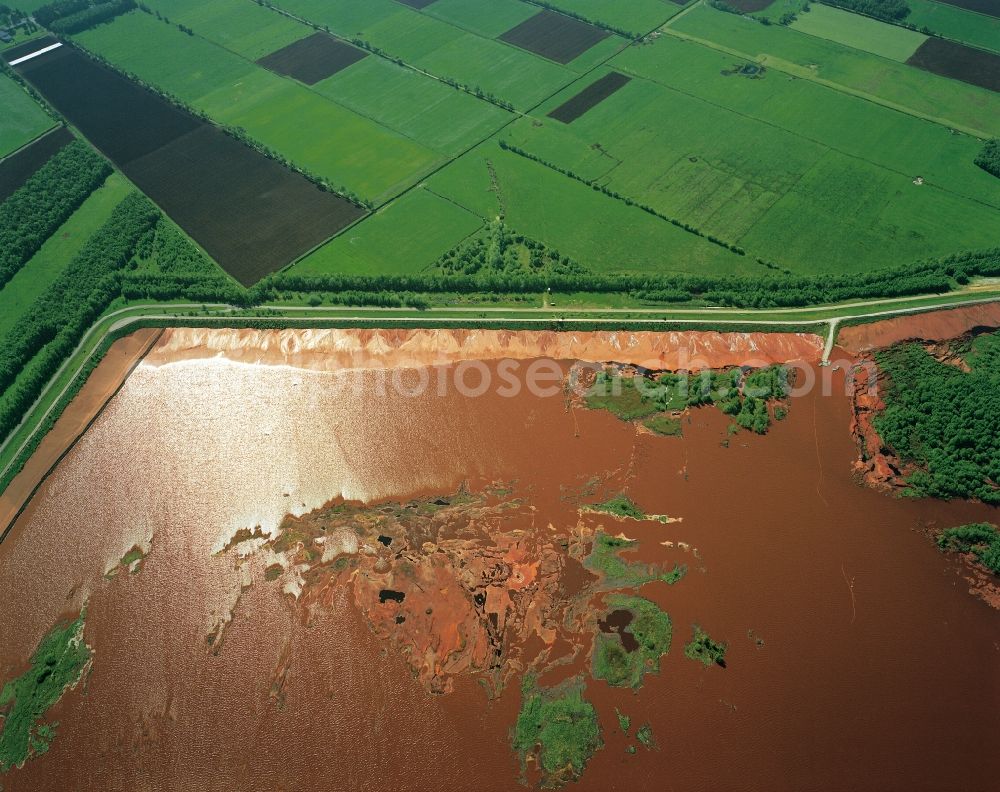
x,y
333,349
935,326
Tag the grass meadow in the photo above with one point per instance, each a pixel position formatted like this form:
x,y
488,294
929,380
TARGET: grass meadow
x,y
780,194
245,28
863,33
457,42
825,162
404,237
635,16
599,232
422,109
921,93
900,142
956,23
23,118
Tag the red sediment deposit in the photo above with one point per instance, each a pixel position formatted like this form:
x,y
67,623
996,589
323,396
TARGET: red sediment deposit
x,y
877,466
100,386
932,326
333,349
277,635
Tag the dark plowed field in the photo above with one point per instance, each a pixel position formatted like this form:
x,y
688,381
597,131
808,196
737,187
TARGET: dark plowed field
x,y
554,36
589,97
749,6
250,213
417,3
122,119
959,62
28,47
988,7
19,167
312,59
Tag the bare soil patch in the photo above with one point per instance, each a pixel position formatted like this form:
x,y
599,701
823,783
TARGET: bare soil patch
x,y
589,97
312,59
21,166
554,36
251,214
28,47
988,7
123,119
970,65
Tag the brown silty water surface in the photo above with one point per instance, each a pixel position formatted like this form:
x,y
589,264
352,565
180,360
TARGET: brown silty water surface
x,y
857,657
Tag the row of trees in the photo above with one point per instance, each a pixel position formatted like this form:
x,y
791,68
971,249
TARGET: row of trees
x,y
502,251
49,333
91,16
43,203
889,10
988,157
933,276
47,14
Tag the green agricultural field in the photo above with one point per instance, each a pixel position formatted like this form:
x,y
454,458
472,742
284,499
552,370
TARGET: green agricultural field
x,y
35,277
846,214
684,157
492,19
897,141
404,237
863,33
785,197
344,17
635,16
897,85
507,72
23,119
601,233
956,23
484,19
452,51
136,42
245,28
421,108
311,130
321,136
418,107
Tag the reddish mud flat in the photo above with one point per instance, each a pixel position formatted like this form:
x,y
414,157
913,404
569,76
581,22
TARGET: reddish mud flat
x,y
101,385
291,515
